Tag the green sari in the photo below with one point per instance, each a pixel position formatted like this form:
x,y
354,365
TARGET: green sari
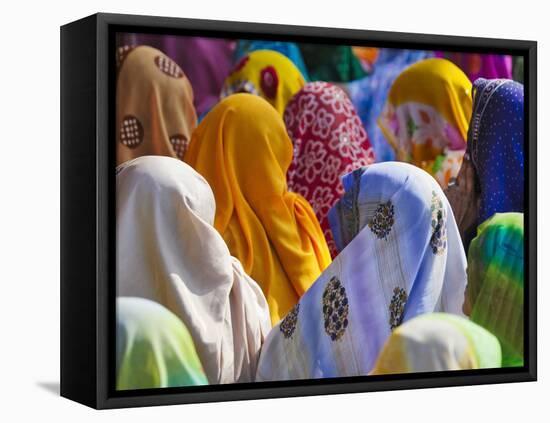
x,y
495,282
154,348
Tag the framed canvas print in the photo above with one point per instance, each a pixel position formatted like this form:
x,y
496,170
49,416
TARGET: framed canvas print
x,y
257,211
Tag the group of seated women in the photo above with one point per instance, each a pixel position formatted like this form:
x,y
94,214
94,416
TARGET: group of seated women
x,y
271,242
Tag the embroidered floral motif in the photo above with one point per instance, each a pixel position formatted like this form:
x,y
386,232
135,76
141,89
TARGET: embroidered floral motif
x,y
168,66
288,324
438,240
269,81
131,131
397,307
382,221
335,309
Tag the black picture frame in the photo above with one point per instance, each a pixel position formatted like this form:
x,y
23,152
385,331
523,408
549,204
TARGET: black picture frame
x,y
88,283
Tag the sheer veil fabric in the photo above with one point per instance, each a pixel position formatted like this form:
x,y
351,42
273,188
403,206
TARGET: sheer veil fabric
x,y
169,252
404,259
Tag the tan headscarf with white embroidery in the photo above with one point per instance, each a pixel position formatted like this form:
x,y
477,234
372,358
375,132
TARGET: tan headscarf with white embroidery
x,y
154,105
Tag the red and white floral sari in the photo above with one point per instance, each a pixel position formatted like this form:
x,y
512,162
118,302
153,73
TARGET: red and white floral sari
x,y
329,142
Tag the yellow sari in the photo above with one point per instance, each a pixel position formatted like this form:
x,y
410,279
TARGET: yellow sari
x,y
426,117
266,73
243,151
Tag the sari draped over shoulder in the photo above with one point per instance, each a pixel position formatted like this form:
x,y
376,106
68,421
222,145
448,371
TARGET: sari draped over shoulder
x,y
329,141
169,252
405,259
243,150
495,282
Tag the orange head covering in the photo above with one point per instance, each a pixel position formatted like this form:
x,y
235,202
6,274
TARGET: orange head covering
x,y
243,150
154,105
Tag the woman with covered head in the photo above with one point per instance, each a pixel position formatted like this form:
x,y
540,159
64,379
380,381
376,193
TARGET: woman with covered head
x,y
243,151
400,256
491,179
494,296
154,105
435,342
426,117
169,252
265,73
329,141
153,347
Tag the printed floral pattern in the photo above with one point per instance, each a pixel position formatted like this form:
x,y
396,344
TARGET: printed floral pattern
x,y
438,240
383,220
397,307
329,141
422,136
335,309
288,324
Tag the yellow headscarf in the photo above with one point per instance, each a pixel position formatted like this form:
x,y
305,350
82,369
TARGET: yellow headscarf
x,y
266,73
243,150
154,105
426,117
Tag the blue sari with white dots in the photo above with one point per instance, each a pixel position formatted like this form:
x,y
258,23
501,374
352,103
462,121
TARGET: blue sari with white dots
x,y
496,144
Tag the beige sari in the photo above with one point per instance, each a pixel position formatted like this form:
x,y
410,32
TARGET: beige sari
x,y
169,252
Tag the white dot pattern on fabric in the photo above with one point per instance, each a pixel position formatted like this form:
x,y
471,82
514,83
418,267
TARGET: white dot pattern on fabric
x,y
179,144
131,132
121,54
168,66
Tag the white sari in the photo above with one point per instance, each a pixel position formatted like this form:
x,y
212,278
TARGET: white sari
x,y
404,258
169,252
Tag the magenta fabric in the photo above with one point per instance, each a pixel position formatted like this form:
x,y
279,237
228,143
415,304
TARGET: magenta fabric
x,y
205,61
475,65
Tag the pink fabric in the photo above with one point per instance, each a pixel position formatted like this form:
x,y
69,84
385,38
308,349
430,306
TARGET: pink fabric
x,y
329,141
475,65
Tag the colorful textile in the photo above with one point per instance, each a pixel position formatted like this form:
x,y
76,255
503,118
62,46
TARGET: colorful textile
x,y
367,56
329,141
496,144
405,260
331,63
495,282
481,65
154,105
265,73
426,117
243,150
154,348
436,342
370,93
205,61
290,50
169,252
